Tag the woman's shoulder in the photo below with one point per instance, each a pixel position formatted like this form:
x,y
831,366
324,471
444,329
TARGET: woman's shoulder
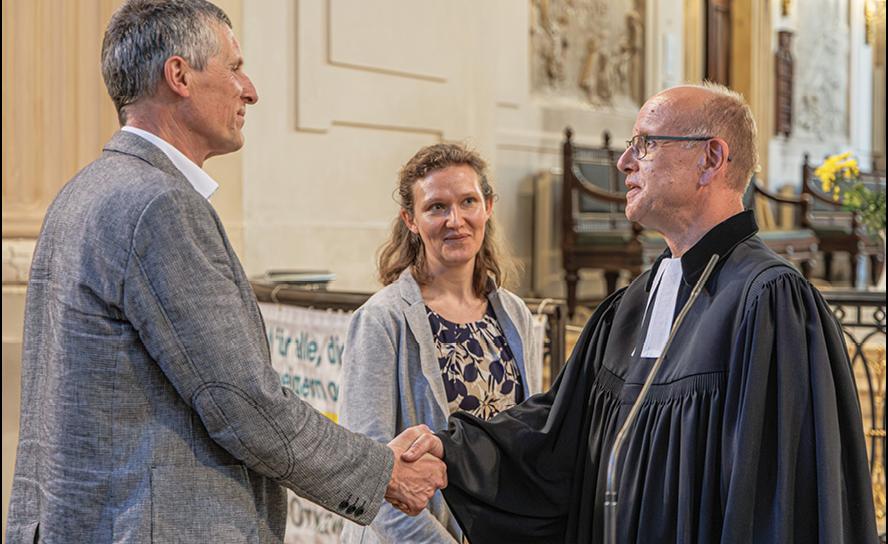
x,y
387,304
512,303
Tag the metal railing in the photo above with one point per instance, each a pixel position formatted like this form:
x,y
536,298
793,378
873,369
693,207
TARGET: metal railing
x,y
861,316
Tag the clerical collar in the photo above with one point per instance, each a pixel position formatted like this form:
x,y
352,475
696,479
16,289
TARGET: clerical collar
x,y
721,239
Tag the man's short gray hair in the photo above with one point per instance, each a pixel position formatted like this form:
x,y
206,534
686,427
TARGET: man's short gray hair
x,y
143,34
727,115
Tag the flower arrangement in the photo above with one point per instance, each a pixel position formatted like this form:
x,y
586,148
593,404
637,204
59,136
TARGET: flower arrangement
x,y
840,175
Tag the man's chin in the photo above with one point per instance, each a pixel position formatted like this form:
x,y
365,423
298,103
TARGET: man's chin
x,y
229,147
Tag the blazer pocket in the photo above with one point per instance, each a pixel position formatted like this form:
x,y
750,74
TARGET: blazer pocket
x,y
197,503
26,534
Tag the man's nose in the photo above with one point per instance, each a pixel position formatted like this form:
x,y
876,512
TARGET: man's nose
x,y
627,162
249,94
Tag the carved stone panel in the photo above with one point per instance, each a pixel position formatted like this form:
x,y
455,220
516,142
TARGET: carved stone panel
x,y
822,70
588,51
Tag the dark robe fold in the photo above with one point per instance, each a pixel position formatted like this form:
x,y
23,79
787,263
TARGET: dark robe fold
x,y
751,432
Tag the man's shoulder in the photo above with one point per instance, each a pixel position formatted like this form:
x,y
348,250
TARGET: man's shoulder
x,y
121,186
752,258
119,174
107,198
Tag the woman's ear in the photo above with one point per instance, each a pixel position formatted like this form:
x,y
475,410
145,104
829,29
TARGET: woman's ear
x,y
407,218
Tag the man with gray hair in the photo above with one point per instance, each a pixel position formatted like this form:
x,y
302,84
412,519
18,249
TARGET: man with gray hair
x,y
150,410
751,429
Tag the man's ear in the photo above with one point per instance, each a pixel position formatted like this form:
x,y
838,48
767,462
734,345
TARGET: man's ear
x,y
177,75
716,155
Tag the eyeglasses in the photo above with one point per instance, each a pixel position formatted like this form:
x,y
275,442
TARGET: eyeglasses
x,y
639,143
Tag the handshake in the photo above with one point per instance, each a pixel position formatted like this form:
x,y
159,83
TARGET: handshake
x,y
418,470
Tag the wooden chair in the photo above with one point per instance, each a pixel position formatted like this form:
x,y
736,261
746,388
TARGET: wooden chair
x,y
798,243
595,233
840,230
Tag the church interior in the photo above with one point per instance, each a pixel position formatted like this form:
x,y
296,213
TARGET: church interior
x,y
546,90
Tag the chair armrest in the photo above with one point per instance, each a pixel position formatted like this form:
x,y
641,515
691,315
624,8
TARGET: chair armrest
x,y
802,201
591,189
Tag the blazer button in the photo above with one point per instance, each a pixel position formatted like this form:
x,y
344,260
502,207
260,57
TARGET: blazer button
x,y
350,509
343,505
359,511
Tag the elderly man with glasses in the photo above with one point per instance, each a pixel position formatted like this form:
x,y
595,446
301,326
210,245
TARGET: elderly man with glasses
x,y
750,431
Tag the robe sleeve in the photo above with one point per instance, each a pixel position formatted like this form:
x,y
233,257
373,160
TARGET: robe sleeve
x,y
794,466
511,479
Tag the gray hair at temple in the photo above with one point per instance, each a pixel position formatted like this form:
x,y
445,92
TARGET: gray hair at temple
x,y
727,116
143,34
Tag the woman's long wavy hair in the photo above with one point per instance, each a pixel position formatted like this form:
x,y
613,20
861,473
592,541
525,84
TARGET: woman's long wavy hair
x,y
405,249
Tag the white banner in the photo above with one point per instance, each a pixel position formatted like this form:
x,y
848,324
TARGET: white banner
x,y
306,350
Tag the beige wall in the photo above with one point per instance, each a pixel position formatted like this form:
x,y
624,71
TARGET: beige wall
x,y
350,90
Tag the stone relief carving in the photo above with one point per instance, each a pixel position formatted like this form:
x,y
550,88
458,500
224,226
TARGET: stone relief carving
x,y
590,51
822,61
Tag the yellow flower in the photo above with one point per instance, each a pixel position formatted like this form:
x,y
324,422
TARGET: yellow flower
x,y
840,178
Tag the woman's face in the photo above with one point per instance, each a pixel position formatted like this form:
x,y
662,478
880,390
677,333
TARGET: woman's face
x,y
450,215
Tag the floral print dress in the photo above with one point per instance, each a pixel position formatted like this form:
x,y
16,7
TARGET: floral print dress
x,y
480,374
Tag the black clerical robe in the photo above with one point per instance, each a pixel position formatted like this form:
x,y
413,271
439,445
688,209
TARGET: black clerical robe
x,y
751,432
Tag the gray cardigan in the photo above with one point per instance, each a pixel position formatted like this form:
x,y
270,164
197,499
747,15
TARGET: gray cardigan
x,y
391,380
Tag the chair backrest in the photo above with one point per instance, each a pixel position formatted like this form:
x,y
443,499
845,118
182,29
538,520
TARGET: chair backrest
x,y
594,168
598,166
823,202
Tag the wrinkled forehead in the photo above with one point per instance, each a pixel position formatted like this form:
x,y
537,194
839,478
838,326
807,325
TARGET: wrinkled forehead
x,y
657,115
674,109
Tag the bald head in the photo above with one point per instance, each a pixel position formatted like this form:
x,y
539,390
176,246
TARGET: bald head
x,y
711,110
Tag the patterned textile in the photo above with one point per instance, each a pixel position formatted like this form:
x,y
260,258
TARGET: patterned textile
x,y
479,371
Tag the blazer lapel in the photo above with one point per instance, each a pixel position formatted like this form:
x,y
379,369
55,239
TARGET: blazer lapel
x,y
418,321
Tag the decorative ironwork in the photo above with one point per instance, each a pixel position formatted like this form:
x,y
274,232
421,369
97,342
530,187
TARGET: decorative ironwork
x,y
861,316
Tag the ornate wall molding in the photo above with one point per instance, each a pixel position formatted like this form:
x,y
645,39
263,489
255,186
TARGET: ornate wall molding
x,y
341,59
17,254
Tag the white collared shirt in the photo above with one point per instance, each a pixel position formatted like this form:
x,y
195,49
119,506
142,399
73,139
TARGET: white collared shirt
x,y
200,180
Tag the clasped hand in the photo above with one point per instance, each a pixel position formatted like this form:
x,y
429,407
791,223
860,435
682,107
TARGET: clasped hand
x,y
418,471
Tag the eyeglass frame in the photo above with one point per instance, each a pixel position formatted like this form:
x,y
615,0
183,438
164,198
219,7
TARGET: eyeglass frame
x,y
646,138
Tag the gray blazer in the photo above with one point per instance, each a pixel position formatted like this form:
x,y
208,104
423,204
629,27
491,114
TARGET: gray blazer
x,y
150,410
391,380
